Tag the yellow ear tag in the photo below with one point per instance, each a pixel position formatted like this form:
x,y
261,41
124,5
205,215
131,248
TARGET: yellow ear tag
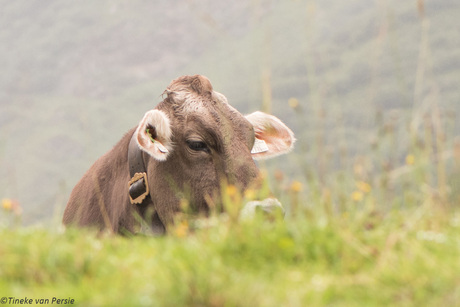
x,y
150,135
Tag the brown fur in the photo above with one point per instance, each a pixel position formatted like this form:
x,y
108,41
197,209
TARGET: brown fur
x,y
100,198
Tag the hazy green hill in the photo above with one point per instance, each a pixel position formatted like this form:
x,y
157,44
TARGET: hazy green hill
x,y
75,76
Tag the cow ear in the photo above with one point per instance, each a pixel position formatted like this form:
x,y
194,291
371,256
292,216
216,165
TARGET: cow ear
x,y
154,133
273,137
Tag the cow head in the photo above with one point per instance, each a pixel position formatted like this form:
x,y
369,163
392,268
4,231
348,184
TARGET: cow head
x,y
195,140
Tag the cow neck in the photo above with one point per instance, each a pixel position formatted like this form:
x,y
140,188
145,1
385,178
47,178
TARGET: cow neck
x,y
138,187
135,158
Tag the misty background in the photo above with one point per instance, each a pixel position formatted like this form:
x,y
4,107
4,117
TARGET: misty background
x,y
76,75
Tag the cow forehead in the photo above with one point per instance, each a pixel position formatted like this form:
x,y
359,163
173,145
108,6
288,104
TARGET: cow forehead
x,y
192,98
191,102
214,116
219,116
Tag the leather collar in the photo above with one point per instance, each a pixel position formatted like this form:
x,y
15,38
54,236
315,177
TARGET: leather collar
x,y
138,186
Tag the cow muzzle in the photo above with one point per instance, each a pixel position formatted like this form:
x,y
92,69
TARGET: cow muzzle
x,y
268,207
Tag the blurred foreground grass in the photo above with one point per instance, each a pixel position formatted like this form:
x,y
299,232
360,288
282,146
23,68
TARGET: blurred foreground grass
x,y
402,257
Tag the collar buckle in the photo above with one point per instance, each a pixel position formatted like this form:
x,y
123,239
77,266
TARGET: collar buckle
x,y
138,188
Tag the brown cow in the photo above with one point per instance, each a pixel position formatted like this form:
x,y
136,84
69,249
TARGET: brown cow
x,y
191,141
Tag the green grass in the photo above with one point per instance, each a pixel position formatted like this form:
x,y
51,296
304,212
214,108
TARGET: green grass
x,y
406,257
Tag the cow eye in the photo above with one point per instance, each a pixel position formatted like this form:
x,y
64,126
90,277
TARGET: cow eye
x,y
198,146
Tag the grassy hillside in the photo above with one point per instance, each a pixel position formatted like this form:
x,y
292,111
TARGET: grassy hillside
x,y
361,258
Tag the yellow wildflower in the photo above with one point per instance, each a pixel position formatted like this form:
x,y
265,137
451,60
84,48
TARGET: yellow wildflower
x,y
7,204
250,194
363,186
410,159
293,103
12,205
231,190
296,186
181,230
357,195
